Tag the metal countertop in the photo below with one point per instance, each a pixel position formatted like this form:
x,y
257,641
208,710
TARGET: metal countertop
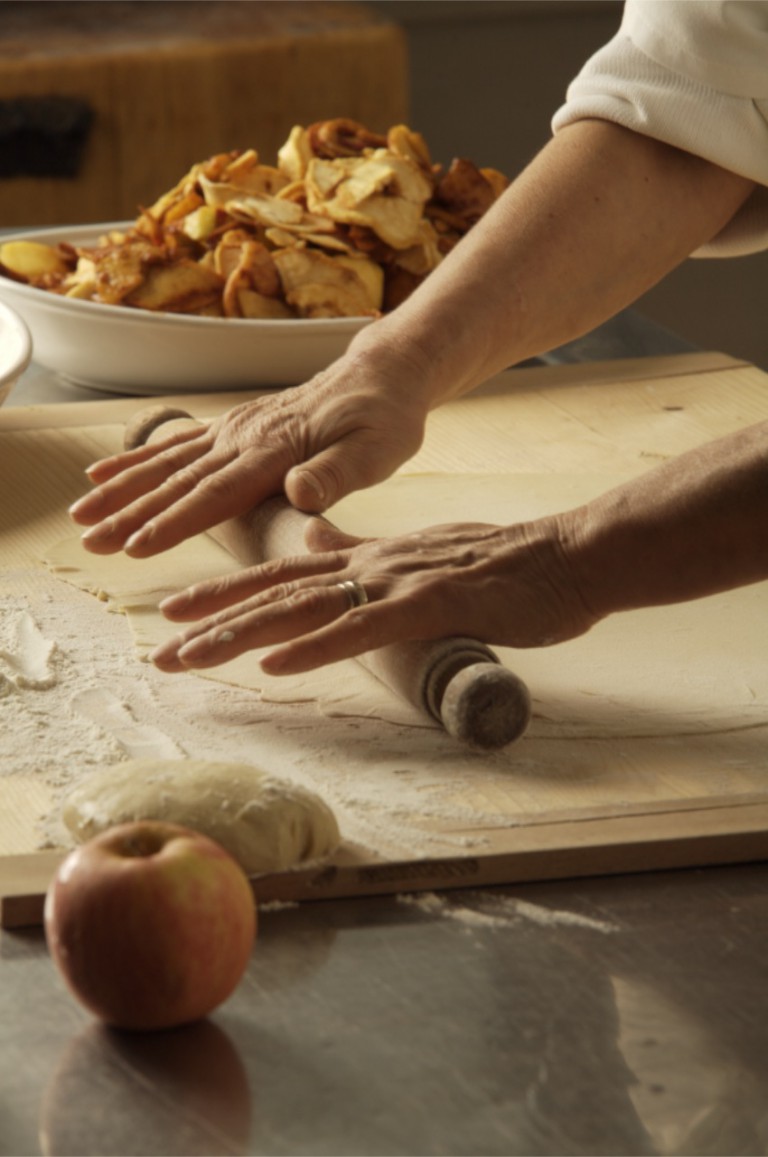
x,y
611,1016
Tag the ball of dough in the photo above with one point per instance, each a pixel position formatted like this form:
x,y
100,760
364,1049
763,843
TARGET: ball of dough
x,y
267,824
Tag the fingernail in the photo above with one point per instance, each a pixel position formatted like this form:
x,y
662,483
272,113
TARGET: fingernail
x,y
202,646
92,500
164,651
309,479
272,664
139,537
175,602
101,531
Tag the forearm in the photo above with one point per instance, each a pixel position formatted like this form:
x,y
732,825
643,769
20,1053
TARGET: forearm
x,y
692,527
598,217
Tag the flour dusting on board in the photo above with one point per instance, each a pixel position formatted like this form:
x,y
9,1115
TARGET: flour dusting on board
x,y
26,657
75,696
39,673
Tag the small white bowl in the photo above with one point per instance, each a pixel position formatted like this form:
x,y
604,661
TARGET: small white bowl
x,y
15,349
133,351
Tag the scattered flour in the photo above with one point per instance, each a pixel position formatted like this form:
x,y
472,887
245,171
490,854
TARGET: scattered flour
x,y
42,733
26,657
74,695
491,911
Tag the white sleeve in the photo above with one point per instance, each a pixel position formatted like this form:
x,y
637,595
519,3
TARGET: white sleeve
x,y
694,75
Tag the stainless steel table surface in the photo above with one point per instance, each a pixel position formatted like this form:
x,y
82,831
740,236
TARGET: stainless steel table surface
x,y
378,1027
622,1015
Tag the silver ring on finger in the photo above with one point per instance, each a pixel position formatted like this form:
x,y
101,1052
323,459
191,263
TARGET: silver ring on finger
x,y
357,596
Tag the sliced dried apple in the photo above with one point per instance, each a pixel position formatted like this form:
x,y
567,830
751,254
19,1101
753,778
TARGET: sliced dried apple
x,y
30,259
294,156
180,288
371,275
384,192
201,223
316,300
320,286
256,306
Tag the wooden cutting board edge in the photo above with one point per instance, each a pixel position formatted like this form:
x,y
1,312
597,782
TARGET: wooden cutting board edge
x,y
119,408
696,834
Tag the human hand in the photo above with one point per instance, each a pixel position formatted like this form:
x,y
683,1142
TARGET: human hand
x,y
347,429
503,585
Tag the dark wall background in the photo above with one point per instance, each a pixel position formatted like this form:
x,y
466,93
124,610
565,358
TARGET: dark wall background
x,y
486,76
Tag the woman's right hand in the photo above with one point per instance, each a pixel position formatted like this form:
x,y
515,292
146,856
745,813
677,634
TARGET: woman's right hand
x,y
348,428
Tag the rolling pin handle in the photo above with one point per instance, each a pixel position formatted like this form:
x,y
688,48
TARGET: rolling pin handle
x,y
140,428
478,700
485,705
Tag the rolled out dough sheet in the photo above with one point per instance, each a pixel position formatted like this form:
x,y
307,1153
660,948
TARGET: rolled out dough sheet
x,y
651,711
136,588
693,669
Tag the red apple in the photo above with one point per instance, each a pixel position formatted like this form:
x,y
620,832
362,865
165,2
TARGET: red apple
x,y
150,924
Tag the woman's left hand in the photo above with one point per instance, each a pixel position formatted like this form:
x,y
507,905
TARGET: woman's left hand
x,y
505,585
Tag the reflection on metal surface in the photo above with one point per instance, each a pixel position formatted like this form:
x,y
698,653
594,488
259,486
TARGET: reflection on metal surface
x,y
183,1091
693,1095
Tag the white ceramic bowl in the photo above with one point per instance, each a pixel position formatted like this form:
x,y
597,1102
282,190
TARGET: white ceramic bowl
x,y
132,351
15,349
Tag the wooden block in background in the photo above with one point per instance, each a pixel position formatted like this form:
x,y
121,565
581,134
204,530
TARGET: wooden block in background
x,y
169,84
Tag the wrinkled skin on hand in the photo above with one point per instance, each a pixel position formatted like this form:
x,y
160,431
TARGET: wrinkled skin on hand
x,y
503,585
345,430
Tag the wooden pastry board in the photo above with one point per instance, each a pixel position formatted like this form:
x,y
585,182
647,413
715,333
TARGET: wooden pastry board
x,y
609,420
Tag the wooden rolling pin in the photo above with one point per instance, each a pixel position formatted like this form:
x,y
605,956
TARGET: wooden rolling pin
x,y
459,682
